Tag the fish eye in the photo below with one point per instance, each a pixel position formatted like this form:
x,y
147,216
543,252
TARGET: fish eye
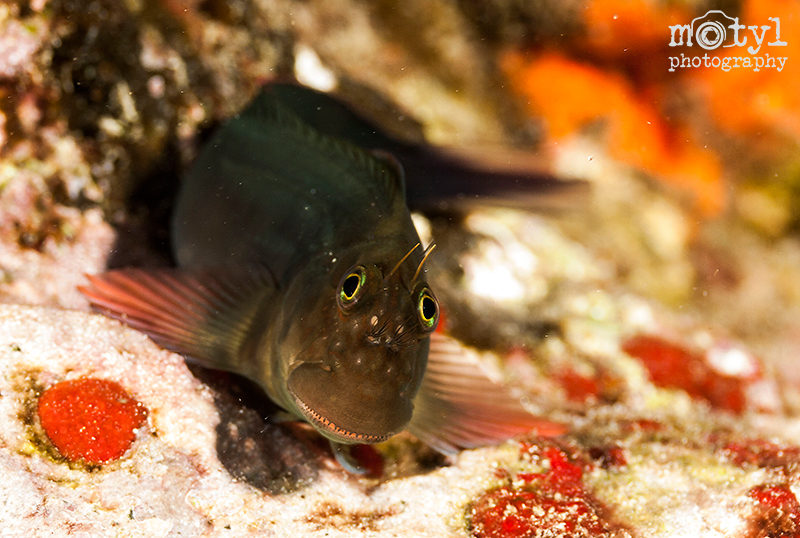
x,y
428,309
352,286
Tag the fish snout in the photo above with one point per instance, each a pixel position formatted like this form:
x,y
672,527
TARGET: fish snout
x,y
349,406
376,363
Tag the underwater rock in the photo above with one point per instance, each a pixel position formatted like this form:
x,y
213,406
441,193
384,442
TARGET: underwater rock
x,y
207,461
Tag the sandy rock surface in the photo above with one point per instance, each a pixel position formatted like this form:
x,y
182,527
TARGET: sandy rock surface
x,y
649,461
172,483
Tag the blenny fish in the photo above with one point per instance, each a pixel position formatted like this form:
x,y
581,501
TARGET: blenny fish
x,y
299,267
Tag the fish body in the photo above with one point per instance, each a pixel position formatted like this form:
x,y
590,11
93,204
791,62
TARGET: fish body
x,y
313,210
268,187
300,268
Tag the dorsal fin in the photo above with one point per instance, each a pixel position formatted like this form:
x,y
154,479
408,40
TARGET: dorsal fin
x,y
394,176
270,112
454,179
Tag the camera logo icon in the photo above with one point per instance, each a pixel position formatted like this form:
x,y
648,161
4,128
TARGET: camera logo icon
x,y
709,31
710,34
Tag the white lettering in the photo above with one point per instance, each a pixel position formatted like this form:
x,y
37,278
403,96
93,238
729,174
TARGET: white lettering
x,y
677,28
736,27
759,40
777,42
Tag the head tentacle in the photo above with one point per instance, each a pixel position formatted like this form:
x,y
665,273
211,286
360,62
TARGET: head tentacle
x,y
424,257
404,258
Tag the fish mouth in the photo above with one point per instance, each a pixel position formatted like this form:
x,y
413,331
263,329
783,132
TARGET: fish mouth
x,y
332,431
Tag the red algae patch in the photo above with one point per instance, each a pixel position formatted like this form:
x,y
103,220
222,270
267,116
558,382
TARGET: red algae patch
x,y
90,420
579,388
777,512
551,503
761,453
674,367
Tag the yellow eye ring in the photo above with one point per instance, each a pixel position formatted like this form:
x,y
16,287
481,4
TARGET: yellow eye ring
x,y
428,309
352,286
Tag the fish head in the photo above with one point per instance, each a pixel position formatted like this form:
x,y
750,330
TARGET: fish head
x,y
361,353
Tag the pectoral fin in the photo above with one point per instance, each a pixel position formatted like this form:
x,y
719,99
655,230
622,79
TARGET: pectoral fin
x,y
346,460
458,406
204,314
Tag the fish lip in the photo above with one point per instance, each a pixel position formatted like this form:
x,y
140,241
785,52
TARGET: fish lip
x,y
333,431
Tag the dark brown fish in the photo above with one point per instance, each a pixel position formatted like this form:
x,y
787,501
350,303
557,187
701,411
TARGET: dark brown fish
x,y
300,268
